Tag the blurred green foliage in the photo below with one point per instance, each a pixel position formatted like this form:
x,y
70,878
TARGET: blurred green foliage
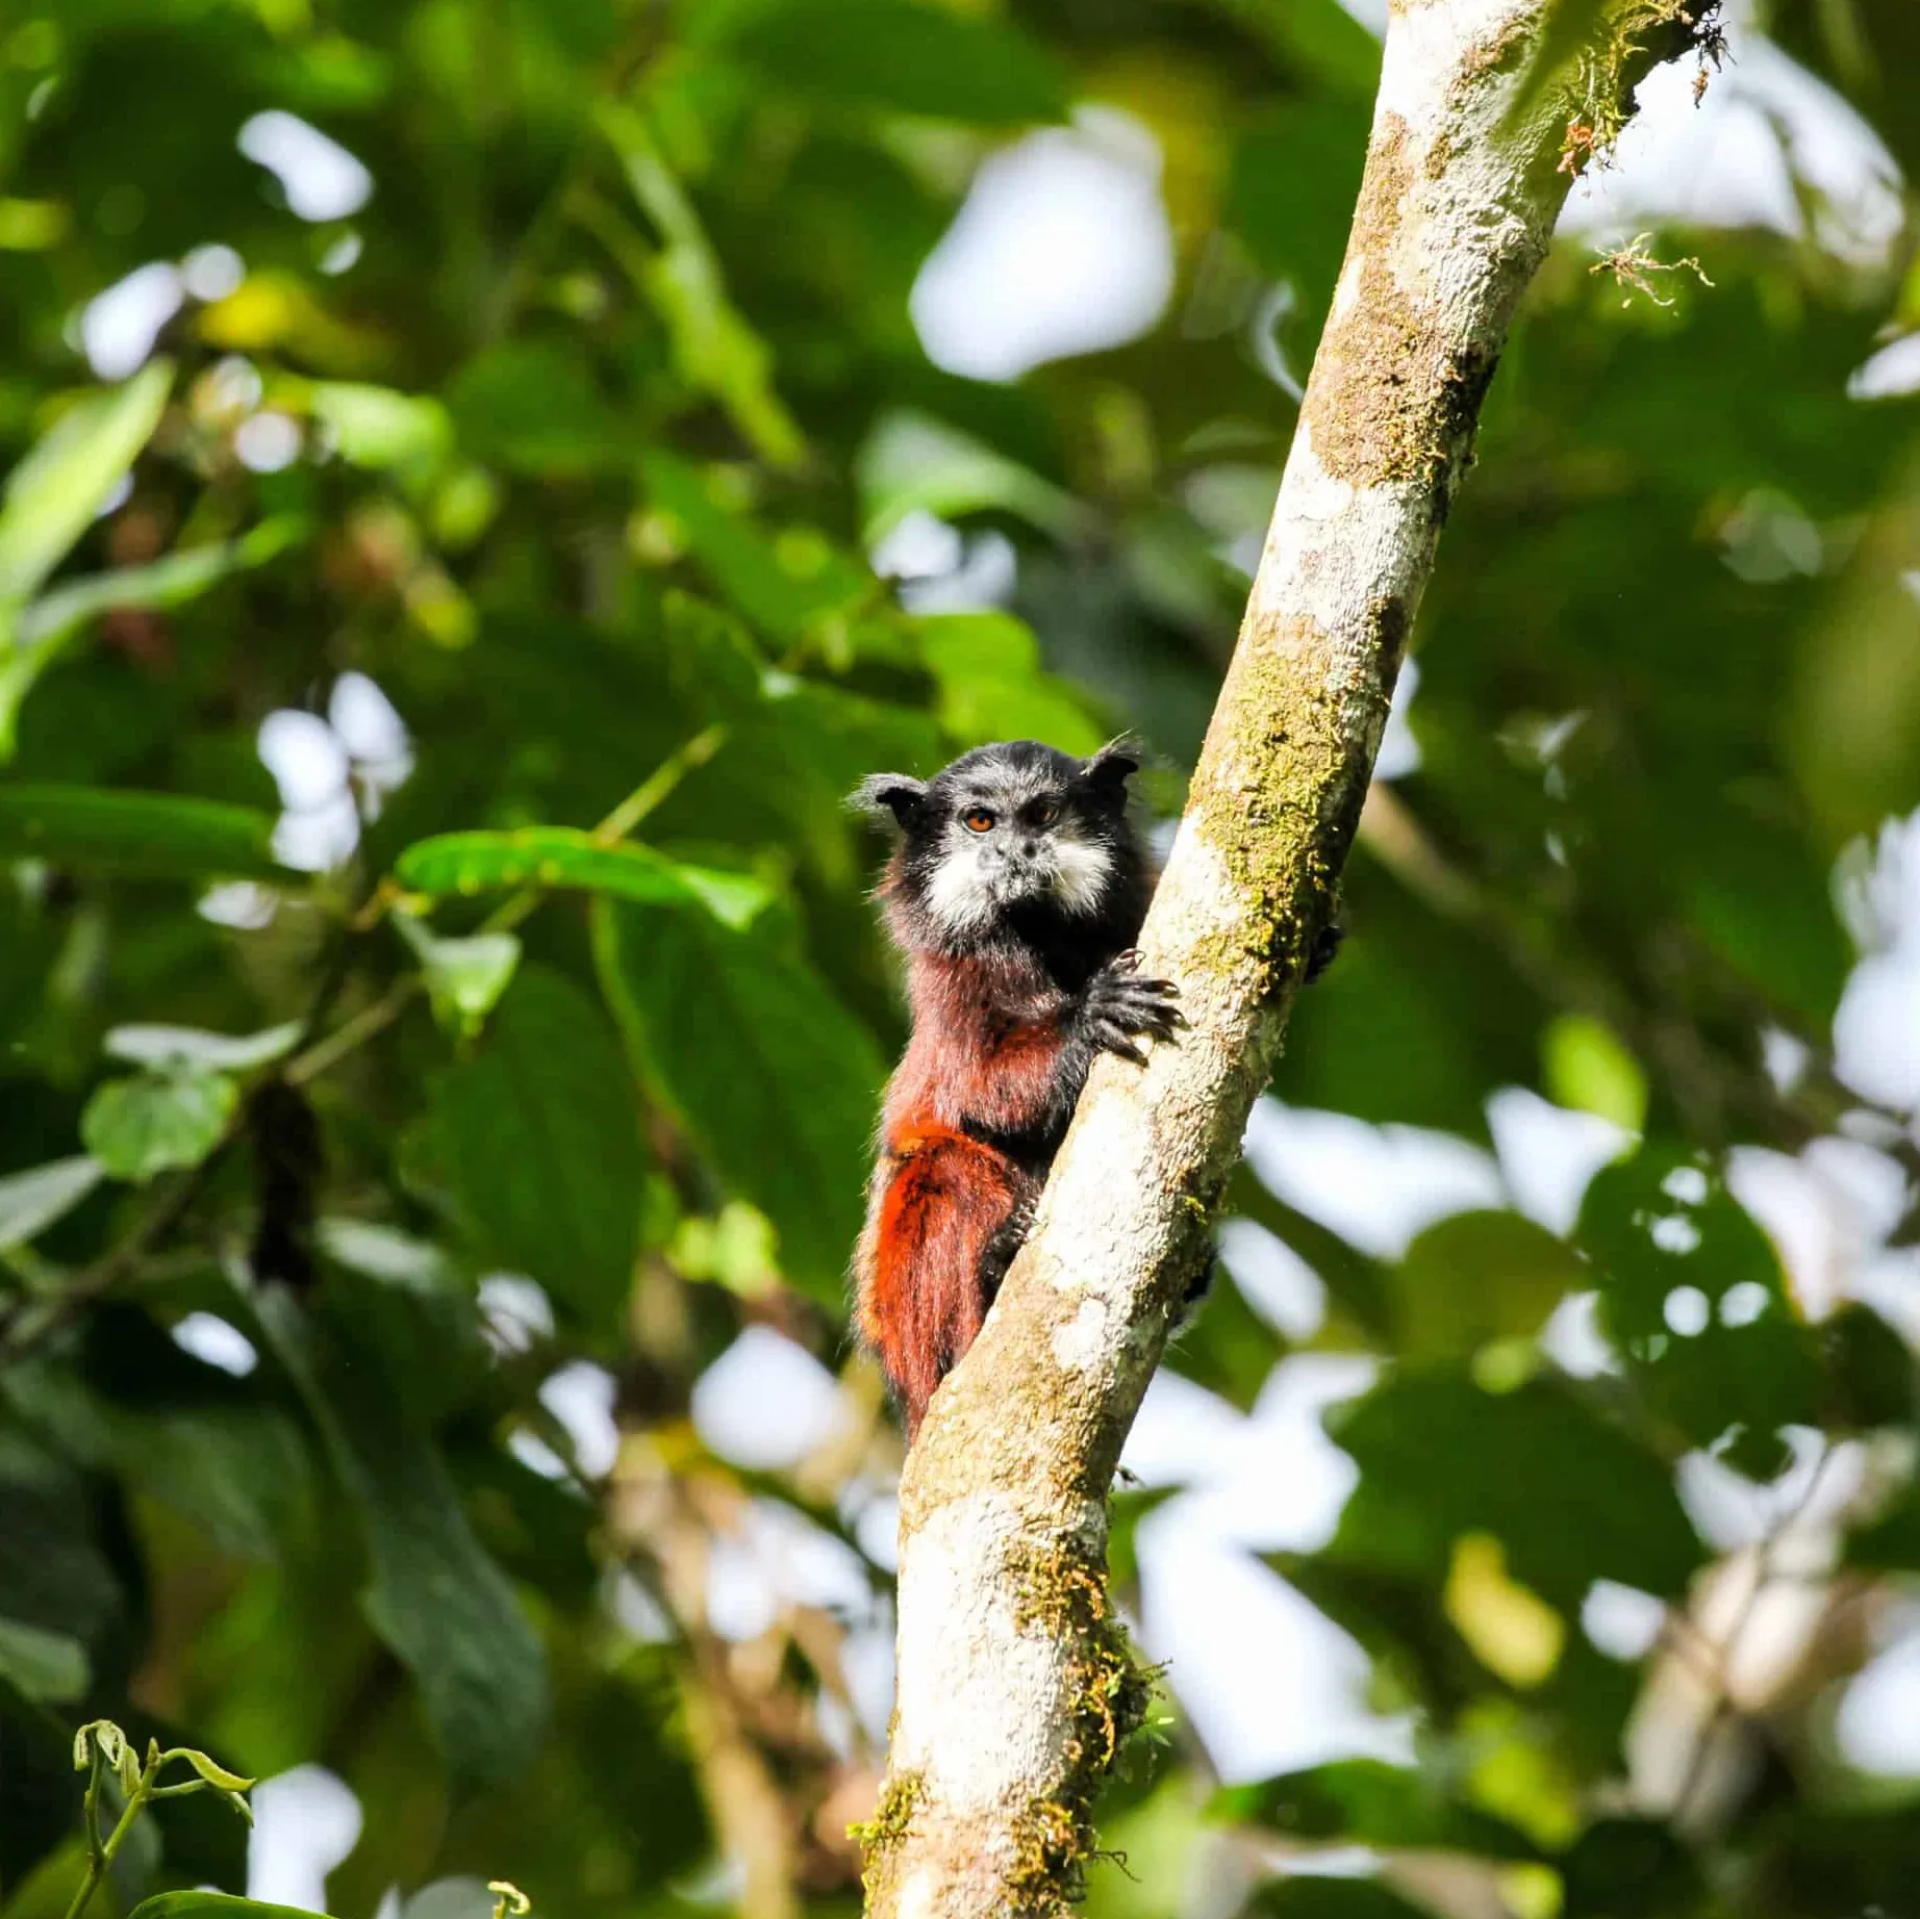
x,y
573,429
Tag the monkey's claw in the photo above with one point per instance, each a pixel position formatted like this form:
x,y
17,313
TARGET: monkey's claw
x,y
1121,1007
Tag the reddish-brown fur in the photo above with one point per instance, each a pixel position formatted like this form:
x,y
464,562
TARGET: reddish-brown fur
x,y
986,1040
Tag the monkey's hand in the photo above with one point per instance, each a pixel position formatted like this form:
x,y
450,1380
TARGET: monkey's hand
x,y
1120,1007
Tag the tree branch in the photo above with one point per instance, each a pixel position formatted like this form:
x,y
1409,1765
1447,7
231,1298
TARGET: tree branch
x,y
1015,1685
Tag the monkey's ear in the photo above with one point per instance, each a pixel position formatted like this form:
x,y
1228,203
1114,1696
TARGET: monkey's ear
x,y
1112,765
893,793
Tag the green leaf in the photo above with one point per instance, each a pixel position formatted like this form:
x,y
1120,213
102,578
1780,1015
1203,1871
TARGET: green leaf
x,y
1693,1298
538,1145
468,863
914,463
714,348
901,58
531,406
1367,1802
377,427
1625,1865
436,1598
152,1123
1290,197
51,1667
465,977
992,686
53,495
1570,1496
212,1905
1874,1379
173,581
153,835
214,1775
30,1202
386,1253
772,1075
786,586
1589,1069
168,1048
1478,1277
1313,1896
46,626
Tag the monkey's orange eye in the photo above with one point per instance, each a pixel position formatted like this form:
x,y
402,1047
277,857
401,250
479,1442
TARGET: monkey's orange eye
x,y
1044,812
976,820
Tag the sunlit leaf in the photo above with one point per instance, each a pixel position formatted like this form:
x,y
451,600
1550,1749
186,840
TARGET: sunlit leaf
x,y
466,863
32,1201
52,496
213,1774
716,349
993,687
212,1905
165,1047
913,463
784,587
1480,1276
375,426
465,976
1588,1069
154,1123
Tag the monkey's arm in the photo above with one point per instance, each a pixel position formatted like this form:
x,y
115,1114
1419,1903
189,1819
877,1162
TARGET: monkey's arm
x,y
1028,1113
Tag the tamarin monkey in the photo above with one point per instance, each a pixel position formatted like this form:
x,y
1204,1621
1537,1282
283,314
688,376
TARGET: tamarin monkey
x,y
1016,893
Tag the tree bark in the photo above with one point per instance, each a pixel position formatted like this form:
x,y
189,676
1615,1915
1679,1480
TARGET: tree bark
x,y
1016,1687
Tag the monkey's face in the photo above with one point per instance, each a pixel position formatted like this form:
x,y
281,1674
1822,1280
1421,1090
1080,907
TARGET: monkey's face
x,y
1010,827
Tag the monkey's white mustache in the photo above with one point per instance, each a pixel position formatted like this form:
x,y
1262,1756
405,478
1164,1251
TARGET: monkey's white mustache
x,y
970,886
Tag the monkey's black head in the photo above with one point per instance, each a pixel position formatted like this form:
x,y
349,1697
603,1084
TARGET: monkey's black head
x,y
1016,839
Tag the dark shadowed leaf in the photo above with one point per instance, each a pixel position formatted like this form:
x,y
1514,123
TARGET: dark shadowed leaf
x,y
174,581
903,57
537,1142
771,1073
43,1790
1367,1802
150,834
1572,1497
436,1598
43,1665
1692,1295
1629,1866
532,407
1309,1896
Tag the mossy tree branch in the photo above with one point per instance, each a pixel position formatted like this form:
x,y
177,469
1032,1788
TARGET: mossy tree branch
x,y
1015,1687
